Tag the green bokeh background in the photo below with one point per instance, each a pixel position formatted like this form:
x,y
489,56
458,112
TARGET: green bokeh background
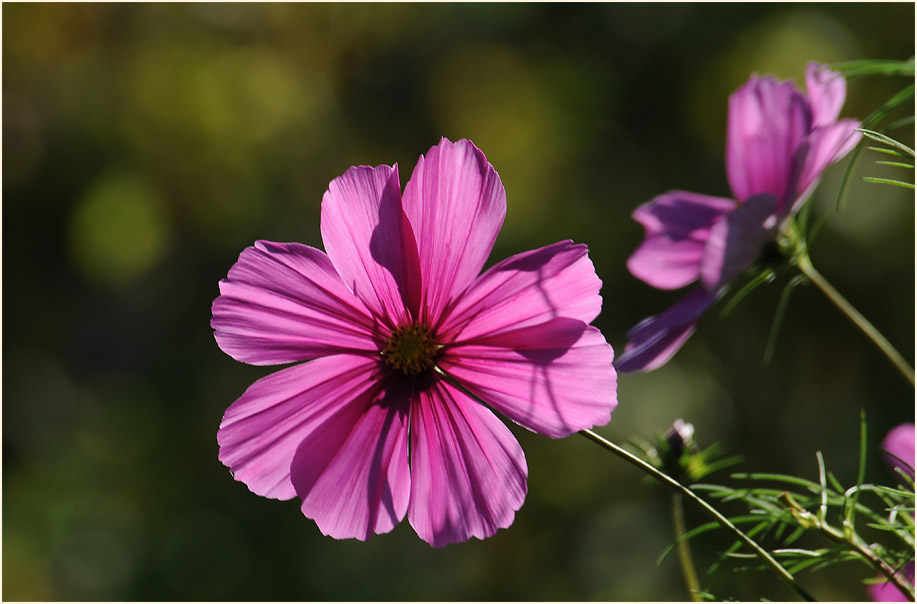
x,y
144,146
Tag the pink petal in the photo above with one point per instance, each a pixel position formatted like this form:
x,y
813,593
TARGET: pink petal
x,y
888,592
262,430
677,226
468,473
767,122
370,242
899,448
555,378
656,339
284,302
527,289
353,476
456,205
736,241
823,147
827,90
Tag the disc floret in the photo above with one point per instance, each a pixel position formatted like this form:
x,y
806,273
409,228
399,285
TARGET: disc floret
x,y
410,349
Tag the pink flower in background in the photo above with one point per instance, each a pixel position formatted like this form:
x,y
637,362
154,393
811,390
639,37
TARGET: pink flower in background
x,y
899,448
887,592
899,453
402,335
778,143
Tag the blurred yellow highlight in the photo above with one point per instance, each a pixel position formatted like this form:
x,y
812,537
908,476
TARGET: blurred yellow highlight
x,y
117,231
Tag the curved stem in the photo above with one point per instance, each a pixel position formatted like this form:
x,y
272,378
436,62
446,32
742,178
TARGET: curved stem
x,y
804,264
857,544
688,493
893,576
684,549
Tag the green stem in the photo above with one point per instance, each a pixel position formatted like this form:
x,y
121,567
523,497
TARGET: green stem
x,y
851,540
722,520
671,482
684,550
804,264
894,577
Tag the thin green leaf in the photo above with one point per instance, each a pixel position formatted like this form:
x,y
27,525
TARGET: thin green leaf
x,y
777,477
848,557
778,317
884,138
907,120
823,507
835,483
895,164
700,530
731,552
901,97
795,535
883,527
850,510
867,67
765,276
883,489
795,551
887,151
889,181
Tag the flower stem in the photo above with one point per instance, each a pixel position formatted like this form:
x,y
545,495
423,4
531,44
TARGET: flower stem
x,y
893,576
850,539
688,493
804,264
684,549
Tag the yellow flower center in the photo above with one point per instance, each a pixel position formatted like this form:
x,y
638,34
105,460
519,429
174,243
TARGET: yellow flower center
x,y
410,349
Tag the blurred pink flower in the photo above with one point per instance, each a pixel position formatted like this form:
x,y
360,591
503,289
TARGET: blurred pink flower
x,y
899,448
887,592
899,453
778,143
397,327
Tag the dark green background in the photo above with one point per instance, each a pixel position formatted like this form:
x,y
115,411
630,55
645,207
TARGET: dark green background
x,y
144,146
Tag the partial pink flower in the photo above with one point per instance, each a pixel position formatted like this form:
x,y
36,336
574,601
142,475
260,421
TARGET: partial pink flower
x,y
899,454
779,141
888,591
402,340
899,448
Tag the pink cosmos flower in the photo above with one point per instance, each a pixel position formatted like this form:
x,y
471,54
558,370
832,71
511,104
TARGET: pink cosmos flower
x,y
899,453
778,143
899,448
888,592
403,339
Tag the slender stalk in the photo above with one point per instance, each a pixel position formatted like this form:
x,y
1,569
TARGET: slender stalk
x,y
853,541
684,549
688,493
804,264
894,577
671,482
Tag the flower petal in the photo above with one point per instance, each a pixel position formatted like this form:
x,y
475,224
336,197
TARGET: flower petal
x,y
899,448
767,122
353,477
555,378
677,225
261,431
284,302
369,240
468,473
827,90
736,241
656,339
887,591
527,289
456,205
821,148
